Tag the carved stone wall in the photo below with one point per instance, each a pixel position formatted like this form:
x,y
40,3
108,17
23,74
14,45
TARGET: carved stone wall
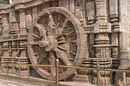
x,y
100,26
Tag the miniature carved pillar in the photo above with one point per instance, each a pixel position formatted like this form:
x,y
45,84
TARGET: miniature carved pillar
x,y
34,11
102,28
5,34
114,10
102,41
5,56
22,59
22,18
23,32
125,53
5,25
124,37
28,19
115,44
14,29
101,11
72,6
124,41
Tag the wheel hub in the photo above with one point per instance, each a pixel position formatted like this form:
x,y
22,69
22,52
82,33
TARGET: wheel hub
x,y
50,43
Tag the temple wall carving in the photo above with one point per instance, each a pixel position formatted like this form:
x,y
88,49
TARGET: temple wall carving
x,y
99,30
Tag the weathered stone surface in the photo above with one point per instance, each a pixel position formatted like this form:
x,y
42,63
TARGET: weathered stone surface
x,y
90,11
114,10
88,33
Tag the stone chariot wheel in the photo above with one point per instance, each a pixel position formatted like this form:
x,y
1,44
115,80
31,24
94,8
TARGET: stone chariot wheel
x,y
56,34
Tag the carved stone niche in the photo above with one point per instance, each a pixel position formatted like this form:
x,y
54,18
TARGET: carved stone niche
x,y
90,11
14,28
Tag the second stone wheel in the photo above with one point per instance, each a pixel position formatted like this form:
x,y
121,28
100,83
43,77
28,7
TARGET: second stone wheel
x,y
56,34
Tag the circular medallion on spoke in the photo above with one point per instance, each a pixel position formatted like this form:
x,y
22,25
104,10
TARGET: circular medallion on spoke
x,y
56,34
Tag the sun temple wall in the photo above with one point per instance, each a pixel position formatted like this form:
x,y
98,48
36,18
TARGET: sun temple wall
x,y
89,33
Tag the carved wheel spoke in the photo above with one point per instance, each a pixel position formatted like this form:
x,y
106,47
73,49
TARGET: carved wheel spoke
x,y
63,55
34,43
55,35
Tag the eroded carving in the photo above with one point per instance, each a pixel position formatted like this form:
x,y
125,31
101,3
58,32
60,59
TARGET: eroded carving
x,y
60,37
51,29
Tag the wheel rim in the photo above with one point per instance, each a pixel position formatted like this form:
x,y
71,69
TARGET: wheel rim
x,y
56,34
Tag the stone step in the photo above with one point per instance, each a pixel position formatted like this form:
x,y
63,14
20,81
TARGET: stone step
x,y
75,84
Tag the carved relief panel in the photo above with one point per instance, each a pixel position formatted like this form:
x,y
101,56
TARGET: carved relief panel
x,y
90,11
62,23
80,10
14,28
